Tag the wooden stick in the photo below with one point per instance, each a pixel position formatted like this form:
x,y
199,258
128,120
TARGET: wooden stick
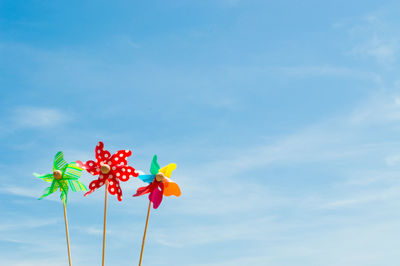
x,y
66,232
144,235
105,221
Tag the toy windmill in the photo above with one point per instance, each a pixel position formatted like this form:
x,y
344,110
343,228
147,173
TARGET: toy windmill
x,y
110,170
65,175
160,185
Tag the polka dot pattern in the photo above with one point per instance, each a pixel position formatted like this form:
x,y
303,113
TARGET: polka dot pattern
x,y
95,184
125,172
102,155
119,170
90,166
120,157
113,189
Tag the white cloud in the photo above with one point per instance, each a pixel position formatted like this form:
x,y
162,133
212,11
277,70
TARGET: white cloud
x,y
348,139
243,229
25,223
223,190
35,193
34,262
20,191
332,71
37,117
381,109
387,194
393,160
384,51
375,37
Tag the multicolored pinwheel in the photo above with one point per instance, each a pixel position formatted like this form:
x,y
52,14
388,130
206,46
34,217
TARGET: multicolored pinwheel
x,y
160,183
109,168
64,175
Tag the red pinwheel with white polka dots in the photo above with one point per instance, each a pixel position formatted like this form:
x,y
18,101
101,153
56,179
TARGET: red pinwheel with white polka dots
x,y
111,169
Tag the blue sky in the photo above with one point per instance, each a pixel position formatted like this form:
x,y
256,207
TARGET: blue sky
x,y
283,118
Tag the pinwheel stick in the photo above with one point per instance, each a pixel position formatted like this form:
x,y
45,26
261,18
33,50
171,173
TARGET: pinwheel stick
x,y
105,221
144,235
66,233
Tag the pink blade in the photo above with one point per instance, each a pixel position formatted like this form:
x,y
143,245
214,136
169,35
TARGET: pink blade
x,y
157,195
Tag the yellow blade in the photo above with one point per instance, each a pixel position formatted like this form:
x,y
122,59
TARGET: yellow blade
x,y
167,170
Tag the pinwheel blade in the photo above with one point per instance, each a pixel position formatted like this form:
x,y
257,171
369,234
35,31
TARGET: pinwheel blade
x,y
64,190
76,186
144,190
64,196
155,167
72,172
53,188
171,188
59,162
156,196
47,177
167,170
147,178
102,155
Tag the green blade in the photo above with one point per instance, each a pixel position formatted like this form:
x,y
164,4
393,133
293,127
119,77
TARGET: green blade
x,y
76,185
64,190
47,177
154,166
72,172
64,196
51,189
59,162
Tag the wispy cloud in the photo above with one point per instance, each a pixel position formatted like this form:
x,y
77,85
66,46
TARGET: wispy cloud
x,y
35,262
321,193
19,191
374,37
331,71
243,229
25,223
381,109
341,139
384,51
37,117
374,196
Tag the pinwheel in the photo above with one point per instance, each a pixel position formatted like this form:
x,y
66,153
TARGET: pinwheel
x,y
160,184
111,170
64,175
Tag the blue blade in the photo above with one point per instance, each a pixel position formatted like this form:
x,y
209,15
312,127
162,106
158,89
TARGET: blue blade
x,y
147,178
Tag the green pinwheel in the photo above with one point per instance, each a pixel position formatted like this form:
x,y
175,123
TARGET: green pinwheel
x,y
65,175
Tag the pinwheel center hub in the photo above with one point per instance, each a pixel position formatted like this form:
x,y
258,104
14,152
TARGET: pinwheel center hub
x,y
160,177
105,169
57,174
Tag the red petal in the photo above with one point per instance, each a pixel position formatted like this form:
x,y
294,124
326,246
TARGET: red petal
x,y
90,166
101,154
119,158
123,172
147,189
95,184
114,188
